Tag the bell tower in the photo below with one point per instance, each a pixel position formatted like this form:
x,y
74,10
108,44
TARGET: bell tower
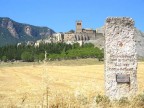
x,y
78,26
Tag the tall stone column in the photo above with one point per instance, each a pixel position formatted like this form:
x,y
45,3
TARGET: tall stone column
x,y
120,58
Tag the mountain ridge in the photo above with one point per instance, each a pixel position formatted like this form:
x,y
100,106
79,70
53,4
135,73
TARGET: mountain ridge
x,y
12,32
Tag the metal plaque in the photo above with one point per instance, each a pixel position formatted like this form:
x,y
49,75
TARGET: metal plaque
x,y
123,78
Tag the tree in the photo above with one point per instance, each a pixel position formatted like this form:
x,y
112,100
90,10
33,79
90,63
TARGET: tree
x,y
36,57
27,56
71,31
76,45
55,51
41,56
100,56
4,58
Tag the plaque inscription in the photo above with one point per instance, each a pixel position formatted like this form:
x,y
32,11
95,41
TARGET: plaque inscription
x,y
123,78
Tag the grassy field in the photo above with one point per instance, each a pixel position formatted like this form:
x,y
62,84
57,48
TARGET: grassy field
x,y
74,81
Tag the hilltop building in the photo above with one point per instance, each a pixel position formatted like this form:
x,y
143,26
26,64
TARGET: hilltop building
x,y
80,34
58,37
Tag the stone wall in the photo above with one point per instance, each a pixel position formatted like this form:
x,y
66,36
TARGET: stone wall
x,y
69,37
120,58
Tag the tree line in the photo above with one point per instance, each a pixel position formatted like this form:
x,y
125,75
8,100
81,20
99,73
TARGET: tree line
x,y
55,51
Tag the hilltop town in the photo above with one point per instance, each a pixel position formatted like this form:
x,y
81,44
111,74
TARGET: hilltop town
x,y
80,35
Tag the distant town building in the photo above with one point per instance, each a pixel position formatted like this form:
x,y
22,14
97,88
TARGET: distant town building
x,y
29,43
68,36
58,37
80,34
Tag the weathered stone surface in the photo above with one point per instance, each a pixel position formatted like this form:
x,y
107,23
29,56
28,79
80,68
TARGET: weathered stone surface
x,y
120,57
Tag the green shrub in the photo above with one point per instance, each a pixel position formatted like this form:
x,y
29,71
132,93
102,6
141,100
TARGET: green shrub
x,y
41,56
4,58
99,98
103,99
27,56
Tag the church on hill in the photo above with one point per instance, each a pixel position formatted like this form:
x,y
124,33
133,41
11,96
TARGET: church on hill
x,y
80,34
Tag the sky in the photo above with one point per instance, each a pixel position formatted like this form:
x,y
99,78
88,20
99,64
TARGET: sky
x,y
61,15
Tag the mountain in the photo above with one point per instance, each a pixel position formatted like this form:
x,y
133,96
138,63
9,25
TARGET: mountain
x,y
140,43
12,32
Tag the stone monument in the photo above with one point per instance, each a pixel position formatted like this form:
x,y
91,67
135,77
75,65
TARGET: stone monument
x,y
120,58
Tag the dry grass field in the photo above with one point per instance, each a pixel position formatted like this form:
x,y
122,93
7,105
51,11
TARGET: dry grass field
x,y
36,85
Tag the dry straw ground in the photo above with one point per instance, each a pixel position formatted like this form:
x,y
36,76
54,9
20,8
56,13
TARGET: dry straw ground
x,y
71,83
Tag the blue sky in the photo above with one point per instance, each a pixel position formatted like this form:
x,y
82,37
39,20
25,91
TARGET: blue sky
x,y
60,15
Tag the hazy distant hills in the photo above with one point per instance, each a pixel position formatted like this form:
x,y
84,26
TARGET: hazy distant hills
x,y
12,32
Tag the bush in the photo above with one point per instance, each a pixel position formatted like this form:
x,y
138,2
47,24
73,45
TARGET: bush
x,y
103,99
41,56
36,57
27,56
4,58
99,98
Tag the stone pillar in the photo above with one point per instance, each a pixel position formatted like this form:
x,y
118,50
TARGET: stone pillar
x,y
120,58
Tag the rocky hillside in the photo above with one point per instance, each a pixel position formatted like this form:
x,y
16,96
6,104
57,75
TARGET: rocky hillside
x,y
12,32
140,43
